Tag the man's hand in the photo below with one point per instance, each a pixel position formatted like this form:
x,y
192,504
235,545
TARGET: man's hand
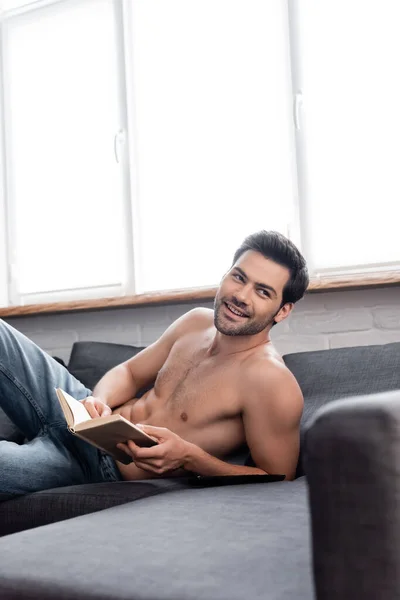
x,y
170,454
96,407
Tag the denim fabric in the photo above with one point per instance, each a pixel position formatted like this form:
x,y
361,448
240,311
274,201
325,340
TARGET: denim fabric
x,y
52,456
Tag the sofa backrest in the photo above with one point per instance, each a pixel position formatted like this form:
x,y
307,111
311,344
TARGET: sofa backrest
x,y
327,375
89,361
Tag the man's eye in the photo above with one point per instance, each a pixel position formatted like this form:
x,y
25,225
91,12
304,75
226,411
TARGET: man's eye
x,y
237,276
264,293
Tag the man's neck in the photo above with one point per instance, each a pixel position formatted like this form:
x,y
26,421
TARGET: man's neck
x,y
234,344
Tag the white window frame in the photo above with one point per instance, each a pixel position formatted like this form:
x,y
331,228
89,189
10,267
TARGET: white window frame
x,y
4,262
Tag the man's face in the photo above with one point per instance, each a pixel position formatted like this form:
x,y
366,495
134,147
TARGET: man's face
x,y
250,295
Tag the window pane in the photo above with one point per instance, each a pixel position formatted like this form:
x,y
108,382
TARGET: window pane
x,y
349,68
213,133
61,84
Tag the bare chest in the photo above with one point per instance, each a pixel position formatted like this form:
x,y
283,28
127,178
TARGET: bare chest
x,y
202,387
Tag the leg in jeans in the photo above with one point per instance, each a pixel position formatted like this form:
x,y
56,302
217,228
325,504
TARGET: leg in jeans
x,y
52,457
28,378
8,430
42,463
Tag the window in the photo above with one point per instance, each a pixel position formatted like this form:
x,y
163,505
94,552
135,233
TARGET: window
x,y
143,139
347,55
63,115
214,135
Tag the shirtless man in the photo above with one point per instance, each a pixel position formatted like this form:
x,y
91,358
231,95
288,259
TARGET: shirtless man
x,y
218,380
218,383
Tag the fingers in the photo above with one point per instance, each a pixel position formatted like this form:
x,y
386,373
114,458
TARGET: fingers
x,y
146,467
129,447
151,467
124,448
96,408
106,412
145,453
157,433
136,452
90,407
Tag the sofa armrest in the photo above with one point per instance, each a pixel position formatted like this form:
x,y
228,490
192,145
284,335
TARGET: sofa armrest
x,y
352,463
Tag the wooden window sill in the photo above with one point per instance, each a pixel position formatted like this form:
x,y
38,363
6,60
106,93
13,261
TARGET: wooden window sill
x,y
321,284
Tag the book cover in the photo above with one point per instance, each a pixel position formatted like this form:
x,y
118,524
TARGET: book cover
x,y
103,432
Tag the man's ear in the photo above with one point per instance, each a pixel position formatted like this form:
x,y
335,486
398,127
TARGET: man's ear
x,y
284,312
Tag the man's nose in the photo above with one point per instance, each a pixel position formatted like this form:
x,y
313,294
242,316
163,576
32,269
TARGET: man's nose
x,y
243,294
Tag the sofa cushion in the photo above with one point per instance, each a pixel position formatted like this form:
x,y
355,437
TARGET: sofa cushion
x,y
327,375
89,361
236,542
49,506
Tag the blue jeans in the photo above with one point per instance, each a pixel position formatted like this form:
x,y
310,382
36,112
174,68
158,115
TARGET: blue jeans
x,y
52,456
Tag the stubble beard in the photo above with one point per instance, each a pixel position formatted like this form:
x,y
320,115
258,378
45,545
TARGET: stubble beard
x,y
250,327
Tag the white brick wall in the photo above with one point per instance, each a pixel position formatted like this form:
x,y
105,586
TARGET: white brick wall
x,y
319,321
338,319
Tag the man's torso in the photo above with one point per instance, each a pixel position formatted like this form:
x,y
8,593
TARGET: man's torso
x,y
198,396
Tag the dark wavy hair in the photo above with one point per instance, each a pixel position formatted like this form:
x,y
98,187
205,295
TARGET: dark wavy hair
x,y
281,250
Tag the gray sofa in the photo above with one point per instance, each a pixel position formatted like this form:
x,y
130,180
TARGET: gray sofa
x,y
332,533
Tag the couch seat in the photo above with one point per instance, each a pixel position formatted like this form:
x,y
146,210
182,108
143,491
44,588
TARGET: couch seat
x,y
223,543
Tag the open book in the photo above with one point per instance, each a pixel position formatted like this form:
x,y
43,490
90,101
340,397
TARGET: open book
x,y
103,432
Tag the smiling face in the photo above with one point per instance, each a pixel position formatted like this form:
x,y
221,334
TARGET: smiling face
x,y
250,295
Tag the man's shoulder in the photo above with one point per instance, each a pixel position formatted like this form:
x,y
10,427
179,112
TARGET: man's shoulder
x,y
267,377
198,317
266,368
194,321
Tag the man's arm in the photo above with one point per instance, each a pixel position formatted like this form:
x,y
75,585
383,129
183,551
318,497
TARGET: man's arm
x,y
173,452
122,382
271,418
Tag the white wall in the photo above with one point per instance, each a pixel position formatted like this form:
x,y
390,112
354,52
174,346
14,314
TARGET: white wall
x,y
319,321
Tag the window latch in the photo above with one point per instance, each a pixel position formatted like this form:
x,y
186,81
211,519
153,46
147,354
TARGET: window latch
x,y
119,142
297,106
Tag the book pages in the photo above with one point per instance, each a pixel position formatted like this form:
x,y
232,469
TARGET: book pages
x,y
74,411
